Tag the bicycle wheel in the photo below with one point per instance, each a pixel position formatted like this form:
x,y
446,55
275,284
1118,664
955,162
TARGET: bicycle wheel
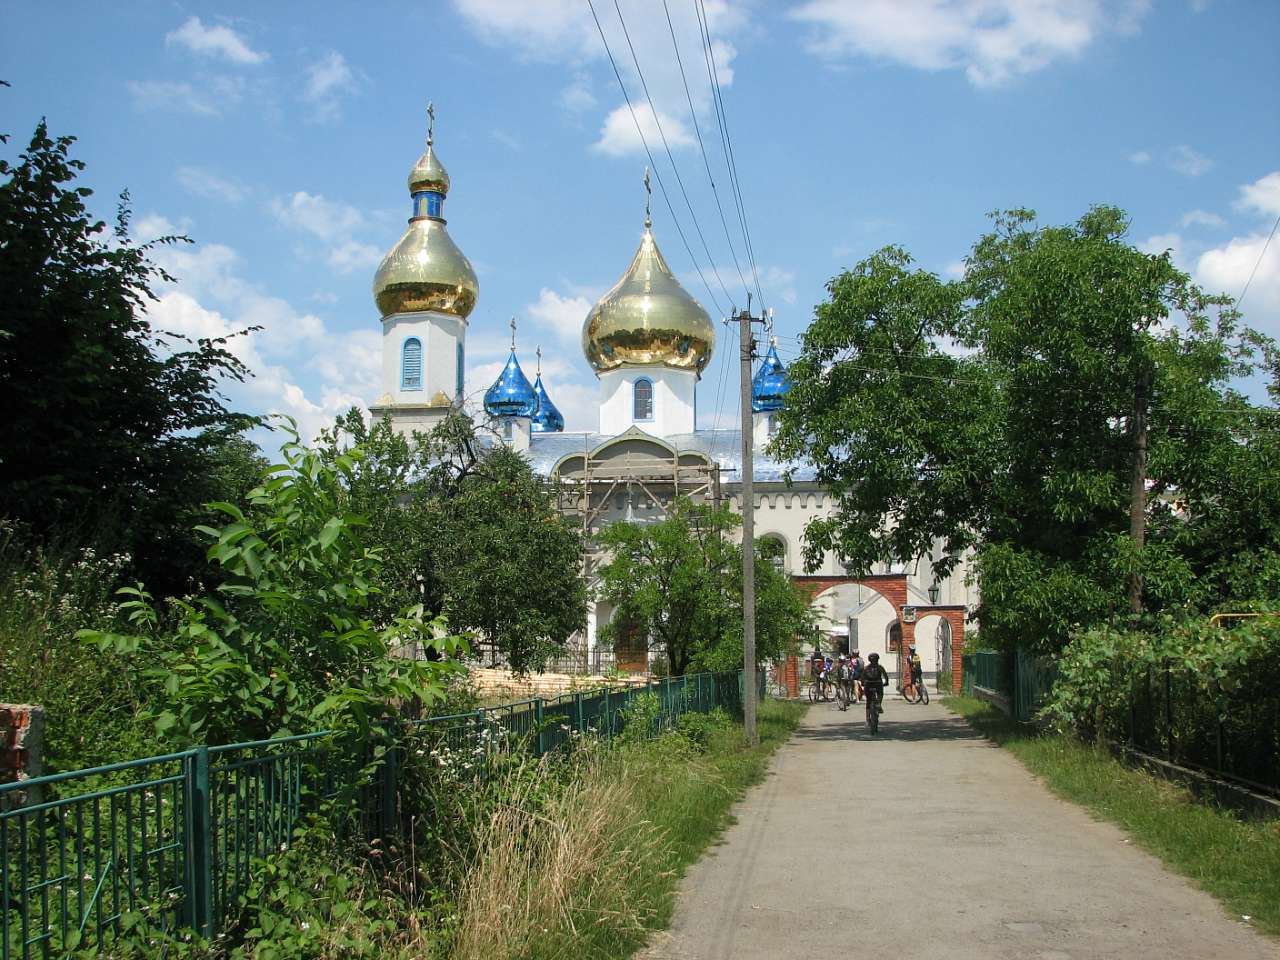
x,y
873,716
813,692
842,699
924,693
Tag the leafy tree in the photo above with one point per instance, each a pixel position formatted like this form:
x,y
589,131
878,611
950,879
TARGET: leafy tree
x,y
286,643
1023,445
678,581
470,532
109,424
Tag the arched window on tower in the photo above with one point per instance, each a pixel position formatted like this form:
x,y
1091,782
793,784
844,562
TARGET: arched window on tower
x,y
411,365
643,395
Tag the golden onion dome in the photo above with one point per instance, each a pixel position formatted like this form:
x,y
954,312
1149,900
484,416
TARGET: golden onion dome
x,y
648,318
425,270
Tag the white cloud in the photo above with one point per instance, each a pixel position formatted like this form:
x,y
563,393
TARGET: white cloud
x,y
779,282
1226,269
1202,218
506,139
301,368
955,269
203,183
351,256
564,32
1262,196
211,98
1188,162
313,214
577,97
1140,158
562,314
619,135
1162,242
993,41
213,41
328,79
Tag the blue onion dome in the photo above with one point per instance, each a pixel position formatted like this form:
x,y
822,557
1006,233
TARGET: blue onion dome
x,y
548,419
769,387
512,395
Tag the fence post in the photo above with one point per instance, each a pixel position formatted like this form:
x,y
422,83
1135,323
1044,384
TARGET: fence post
x,y
390,775
537,719
199,843
577,709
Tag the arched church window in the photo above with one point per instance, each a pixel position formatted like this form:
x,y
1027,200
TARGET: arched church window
x,y
411,365
773,549
643,393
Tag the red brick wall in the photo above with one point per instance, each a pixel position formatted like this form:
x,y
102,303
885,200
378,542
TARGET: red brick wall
x,y
21,739
893,587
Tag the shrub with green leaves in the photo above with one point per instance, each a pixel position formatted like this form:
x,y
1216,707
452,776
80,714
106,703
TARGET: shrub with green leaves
x,y
286,643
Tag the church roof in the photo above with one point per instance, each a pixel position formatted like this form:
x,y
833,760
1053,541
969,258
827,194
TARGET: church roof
x,y
722,446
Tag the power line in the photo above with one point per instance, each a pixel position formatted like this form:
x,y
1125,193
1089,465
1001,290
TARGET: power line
x,y
1259,263
726,142
645,143
702,148
653,108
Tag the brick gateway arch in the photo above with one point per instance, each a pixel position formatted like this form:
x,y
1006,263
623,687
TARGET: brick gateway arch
x,y
893,587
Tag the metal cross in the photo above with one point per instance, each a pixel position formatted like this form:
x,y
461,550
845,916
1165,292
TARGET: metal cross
x,y
538,352
431,121
513,333
648,192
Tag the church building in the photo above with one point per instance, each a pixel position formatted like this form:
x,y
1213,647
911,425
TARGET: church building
x,y
649,343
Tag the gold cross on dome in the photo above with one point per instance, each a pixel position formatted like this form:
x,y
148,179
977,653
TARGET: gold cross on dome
x,y
648,192
431,121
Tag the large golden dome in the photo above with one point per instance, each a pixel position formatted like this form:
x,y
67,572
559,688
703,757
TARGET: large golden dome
x,y
648,318
426,270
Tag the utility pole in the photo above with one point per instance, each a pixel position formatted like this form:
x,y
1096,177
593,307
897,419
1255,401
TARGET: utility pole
x,y
1138,487
748,534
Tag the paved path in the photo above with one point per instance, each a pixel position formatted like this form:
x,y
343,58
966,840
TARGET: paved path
x,y
1002,867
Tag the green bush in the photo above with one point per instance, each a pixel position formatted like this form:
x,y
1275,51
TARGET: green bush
x,y
701,728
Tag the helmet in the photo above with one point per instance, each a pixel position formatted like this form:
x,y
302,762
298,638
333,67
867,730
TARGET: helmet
x,y
874,657
841,657
854,654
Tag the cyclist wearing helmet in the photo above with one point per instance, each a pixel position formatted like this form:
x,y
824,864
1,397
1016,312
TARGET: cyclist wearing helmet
x,y
856,665
917,669
874,679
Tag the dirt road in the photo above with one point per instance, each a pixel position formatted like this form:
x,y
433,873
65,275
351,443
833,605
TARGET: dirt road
x,y
928,842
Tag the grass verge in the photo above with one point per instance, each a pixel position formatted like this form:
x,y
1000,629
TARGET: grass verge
x,y
1236,861
591,871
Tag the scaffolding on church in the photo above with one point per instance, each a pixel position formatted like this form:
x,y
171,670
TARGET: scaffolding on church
x,y
633,478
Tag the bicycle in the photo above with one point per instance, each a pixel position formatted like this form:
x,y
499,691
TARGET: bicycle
x,y
842,694
820,690
915,692
873,711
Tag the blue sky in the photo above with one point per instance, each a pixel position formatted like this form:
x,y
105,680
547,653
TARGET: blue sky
x,y
278,137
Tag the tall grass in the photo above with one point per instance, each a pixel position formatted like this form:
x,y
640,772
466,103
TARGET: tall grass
x,y
1235,860
91,699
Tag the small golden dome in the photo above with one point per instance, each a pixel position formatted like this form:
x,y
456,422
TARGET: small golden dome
x,y
426,270
648,318
429,173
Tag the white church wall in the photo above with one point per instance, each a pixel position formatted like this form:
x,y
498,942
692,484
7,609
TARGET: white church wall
x,y
673,400
440,335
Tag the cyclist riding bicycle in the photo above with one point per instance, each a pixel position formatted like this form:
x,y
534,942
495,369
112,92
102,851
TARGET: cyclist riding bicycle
x,y
874,679
856,667
844,676
917,669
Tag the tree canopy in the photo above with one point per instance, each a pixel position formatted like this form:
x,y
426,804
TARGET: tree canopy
x,y
678,582
110,426
469,531
1001,413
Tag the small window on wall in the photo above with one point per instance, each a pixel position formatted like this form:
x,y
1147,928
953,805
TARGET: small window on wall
x,y
769,425
411,365
643,393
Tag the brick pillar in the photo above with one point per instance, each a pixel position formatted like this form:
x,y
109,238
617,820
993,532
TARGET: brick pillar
x,y
21,746
791,676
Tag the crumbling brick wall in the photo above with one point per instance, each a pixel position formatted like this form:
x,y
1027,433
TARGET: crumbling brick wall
x,y
21,742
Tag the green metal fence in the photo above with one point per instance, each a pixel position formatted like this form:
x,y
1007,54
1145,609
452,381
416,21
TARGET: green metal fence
x,y
1021,682
172,841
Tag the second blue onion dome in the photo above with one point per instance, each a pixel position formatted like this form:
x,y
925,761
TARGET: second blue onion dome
x,y
512,394
770,385
548,419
